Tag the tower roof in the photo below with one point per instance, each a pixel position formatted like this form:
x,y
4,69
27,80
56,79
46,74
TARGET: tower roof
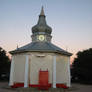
x,y
42,11
41,26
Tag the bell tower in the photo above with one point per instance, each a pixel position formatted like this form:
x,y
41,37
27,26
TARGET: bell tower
x,y
41,32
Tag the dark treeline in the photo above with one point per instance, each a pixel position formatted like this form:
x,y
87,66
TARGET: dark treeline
x,y
4,65
81,70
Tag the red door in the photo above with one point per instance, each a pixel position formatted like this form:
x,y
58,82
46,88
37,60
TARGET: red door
x,y
43,79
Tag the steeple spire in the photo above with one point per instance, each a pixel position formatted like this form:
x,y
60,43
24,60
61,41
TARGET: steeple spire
x,y
42,11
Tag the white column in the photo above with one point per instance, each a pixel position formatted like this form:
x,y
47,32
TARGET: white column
x,y
12,72
26,72
69,80
54,72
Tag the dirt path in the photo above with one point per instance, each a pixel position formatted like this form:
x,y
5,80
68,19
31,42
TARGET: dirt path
x,y
4,87
75,88
80,88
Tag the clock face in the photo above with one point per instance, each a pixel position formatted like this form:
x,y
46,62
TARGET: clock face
x,y
41,37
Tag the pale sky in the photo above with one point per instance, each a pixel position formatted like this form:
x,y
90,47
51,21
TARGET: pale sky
x,y
71,21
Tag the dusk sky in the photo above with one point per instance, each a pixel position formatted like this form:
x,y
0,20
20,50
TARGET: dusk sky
x,y
71,21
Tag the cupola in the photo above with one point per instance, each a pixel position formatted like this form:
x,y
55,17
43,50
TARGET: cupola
x,y
41,28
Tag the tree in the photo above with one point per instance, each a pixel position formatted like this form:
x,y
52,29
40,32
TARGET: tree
x,y
82,66
4,63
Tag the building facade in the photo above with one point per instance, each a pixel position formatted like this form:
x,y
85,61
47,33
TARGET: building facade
x,y
38,55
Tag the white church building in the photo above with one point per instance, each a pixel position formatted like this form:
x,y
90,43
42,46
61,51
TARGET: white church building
x,y
40,55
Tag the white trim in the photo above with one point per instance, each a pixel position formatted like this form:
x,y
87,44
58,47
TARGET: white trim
x,y
26,71
40,55
12,72
69,80
54,72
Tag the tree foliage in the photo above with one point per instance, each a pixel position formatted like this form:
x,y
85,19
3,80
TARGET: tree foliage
x,y
82,67
4,63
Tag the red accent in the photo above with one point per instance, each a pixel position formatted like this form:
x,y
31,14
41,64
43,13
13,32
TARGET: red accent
x,y
61,86
16,85
43,80
36,85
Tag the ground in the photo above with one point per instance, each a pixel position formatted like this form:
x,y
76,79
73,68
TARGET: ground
x,y
75,88
80,88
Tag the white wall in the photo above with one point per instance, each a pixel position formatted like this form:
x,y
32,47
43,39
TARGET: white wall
x,y
44,62
19,68
41,61
62,70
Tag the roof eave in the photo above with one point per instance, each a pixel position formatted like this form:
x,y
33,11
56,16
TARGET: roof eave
x,y
23,51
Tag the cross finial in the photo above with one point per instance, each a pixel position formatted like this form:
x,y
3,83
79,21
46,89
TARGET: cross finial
x,y
42,11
